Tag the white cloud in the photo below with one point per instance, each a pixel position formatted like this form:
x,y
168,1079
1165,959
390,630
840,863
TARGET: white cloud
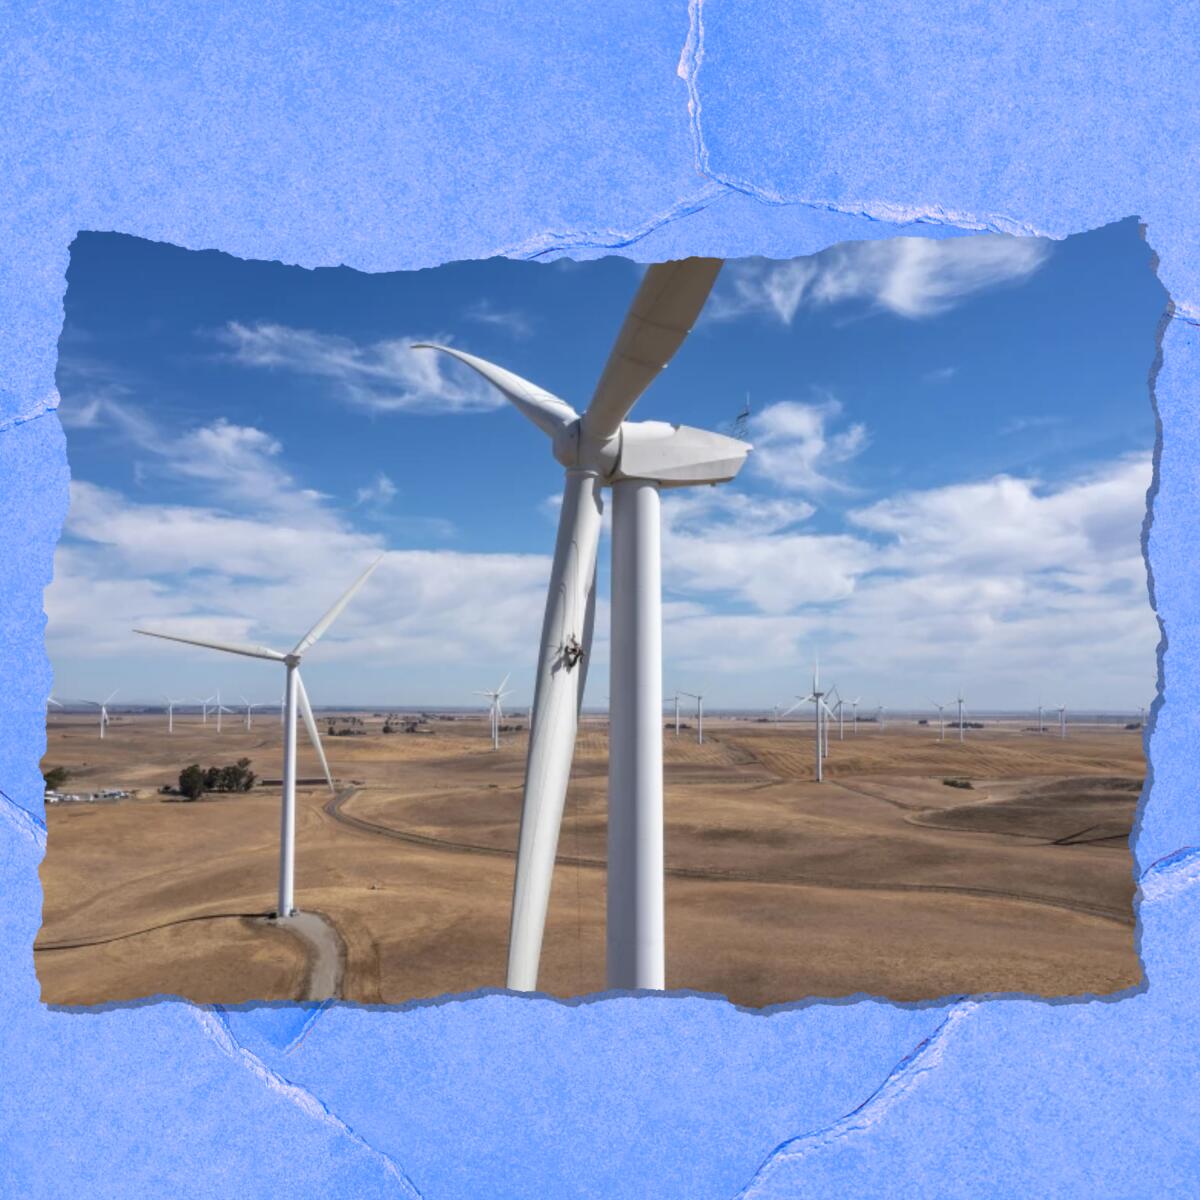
x,y
379,493
511,320
1007,585
795,449
383,376
910,277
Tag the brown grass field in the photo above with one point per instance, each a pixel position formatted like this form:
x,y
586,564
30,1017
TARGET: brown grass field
x,y
881,880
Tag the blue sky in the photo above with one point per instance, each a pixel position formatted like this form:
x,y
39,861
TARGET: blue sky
x,y
952,450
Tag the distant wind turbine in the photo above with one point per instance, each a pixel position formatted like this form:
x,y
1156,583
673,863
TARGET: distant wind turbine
x,y
1062,720
103,707
699,699
941,720
171,713
816,697
495,710
220,709
854,708
293,693
961,710
249,709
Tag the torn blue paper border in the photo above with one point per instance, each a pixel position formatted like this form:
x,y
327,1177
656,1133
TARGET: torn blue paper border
x,y
388,136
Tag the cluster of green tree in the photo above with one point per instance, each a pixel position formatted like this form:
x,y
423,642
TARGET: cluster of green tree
x,y
55,778
195,780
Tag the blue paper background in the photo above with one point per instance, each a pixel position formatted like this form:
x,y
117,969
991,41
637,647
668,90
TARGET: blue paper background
x,y
403,135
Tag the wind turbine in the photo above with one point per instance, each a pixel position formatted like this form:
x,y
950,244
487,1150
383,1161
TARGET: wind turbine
x,y
249,709
827,715
699,699
1142,716
960,714
854,709
602,449
816,698
220,709
1062,720
203,701
881,718
495,712
293,692
171,713
1041,720
103,707
941,720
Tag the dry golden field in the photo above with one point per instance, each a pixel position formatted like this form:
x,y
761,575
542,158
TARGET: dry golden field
x,y
881,880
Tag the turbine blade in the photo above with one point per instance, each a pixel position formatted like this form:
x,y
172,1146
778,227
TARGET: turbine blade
x,y
554,720
661,316
332,615
229,647
550,414
311,725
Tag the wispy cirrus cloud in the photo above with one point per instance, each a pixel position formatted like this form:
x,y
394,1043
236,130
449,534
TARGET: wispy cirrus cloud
x,y
909,277
511,320
382,376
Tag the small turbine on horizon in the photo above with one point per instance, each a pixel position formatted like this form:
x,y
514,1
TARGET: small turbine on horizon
x,y
941,720
495,710
699,699
102,705
249,710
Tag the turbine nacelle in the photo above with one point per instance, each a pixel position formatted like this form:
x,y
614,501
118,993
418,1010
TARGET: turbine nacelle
x,y
660,451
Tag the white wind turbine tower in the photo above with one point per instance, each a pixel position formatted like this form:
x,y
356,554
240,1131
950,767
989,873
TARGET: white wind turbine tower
x,y
676,714
961,710
829,714
602,449
881,718
249,710
1062,720
941,720
171,713
102,705
699,699
294,694
495,711
817,698
841,719
854,709
204,702
1041,718
220,709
